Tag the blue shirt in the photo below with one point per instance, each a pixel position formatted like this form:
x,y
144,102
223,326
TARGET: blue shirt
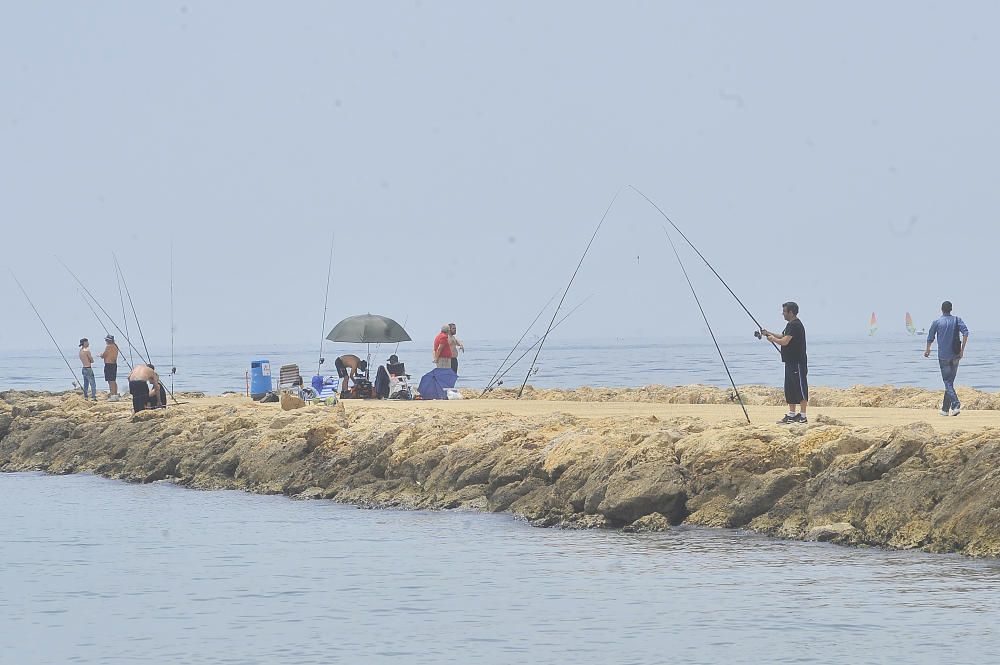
x,y
944,328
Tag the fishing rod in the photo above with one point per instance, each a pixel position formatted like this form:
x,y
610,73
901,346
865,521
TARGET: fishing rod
x,y
121,299
54,342
326,304
100,307
103,325
707,324
406,319
499,379
757,333
518,342
111,319
173,367
559,306
132,305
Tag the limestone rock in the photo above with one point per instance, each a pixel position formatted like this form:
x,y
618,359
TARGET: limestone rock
x,y
289,401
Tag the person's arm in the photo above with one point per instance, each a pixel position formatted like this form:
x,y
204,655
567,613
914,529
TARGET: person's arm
x,y
460,345
102,356
964,329
156,384
930,339
784,340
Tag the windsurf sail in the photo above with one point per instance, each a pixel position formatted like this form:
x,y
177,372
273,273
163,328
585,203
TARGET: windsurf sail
x,y
872,325
910,328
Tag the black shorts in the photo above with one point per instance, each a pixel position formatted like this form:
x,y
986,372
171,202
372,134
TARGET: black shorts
x,y
796,383
140,394
111,372
341,368
454,365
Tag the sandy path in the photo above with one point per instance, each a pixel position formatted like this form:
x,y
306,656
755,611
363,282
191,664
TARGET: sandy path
x,y
711,413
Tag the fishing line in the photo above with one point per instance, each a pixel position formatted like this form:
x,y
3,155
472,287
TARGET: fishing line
x,y
68,366
326,304
99,306
111,319
132,305
757,333
518,342
406,319
499,379
103,325
121,298
707,324
559,306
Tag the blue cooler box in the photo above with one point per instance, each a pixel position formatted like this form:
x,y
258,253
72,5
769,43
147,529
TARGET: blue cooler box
x,y
260,378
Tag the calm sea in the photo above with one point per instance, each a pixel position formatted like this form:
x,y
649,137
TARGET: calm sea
x,y
97,571
880,360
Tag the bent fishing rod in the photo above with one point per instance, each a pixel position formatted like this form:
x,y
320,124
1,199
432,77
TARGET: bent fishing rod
x,y
561,300
518,342
54,342
499,379
707,324
757,333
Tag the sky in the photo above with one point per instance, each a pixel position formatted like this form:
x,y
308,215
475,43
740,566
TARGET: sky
x,y
460,155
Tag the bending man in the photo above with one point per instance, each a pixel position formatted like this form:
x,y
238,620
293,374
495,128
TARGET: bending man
x,y
139,382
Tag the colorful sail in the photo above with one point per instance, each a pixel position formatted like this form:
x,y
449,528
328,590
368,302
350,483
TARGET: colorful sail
x,y
910,328
872,325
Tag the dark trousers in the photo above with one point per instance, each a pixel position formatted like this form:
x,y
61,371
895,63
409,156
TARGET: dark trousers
x,y
159,399
140,395
796,383
454,365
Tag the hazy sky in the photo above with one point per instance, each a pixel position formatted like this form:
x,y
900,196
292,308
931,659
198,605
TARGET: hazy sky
x,y
842,155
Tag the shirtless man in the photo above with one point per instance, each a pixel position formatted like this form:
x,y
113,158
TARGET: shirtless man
x,y
110,357
348,362
455,344
138,384
87,360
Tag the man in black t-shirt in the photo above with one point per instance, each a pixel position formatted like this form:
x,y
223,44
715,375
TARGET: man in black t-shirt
x,y
793,353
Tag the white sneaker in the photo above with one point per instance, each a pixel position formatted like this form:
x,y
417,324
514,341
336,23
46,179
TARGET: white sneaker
x,y
956,411
944,413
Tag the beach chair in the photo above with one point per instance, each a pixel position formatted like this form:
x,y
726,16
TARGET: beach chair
x,y
324,389
399,381
290,380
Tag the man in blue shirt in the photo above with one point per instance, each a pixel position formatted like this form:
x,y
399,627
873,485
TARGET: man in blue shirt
x,y
947,328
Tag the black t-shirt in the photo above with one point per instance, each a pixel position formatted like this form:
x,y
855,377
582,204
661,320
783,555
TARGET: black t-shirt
x,y
795,351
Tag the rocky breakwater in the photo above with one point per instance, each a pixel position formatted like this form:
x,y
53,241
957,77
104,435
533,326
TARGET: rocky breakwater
x,y
901,487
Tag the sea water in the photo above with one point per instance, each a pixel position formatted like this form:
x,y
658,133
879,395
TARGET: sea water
x,y
99,571
835,362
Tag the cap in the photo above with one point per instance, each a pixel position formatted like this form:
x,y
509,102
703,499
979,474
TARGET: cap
x,y
109,339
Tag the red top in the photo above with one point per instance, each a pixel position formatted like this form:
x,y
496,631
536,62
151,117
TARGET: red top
x,y
441,346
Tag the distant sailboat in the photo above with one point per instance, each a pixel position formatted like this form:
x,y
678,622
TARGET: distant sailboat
x,y
910,328
872,325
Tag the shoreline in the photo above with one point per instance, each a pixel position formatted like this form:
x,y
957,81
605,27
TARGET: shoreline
x,y
631,459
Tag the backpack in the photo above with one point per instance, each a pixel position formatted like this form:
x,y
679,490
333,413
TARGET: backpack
x,y
956,339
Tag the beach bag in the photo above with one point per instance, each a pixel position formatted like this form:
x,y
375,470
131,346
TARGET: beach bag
x,y
956,340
